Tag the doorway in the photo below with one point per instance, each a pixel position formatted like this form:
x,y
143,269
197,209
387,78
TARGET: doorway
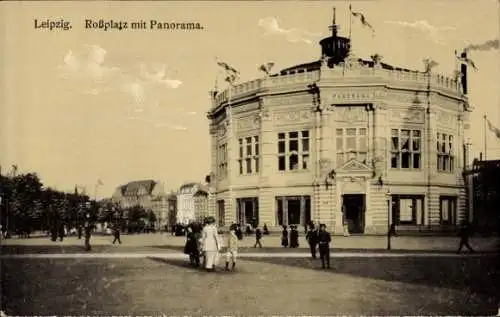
x,y
353,208
293,211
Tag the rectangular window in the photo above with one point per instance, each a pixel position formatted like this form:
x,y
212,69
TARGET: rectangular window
x,y
445,153
407,209
248,155
222,161
351,143
447,210
293,150
406,149
221,214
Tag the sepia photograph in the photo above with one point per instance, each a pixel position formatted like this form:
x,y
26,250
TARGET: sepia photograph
x,y
250,158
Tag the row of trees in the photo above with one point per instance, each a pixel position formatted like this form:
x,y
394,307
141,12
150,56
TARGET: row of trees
x,y
27,205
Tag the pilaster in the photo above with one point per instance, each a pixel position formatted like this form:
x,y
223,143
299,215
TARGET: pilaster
x,y
268,165
381,140
232,166
338,223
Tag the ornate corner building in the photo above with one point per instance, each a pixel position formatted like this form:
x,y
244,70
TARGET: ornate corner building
x,y
341,140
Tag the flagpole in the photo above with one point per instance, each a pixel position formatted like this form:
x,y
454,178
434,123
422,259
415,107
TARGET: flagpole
x,y
485,139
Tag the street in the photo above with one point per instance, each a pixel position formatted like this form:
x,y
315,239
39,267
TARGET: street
x,y
148,275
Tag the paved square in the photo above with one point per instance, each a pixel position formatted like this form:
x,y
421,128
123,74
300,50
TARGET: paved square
x,y
260,286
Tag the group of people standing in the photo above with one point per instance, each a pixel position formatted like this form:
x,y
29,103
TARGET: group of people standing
x,y
203,244
319,238
290,239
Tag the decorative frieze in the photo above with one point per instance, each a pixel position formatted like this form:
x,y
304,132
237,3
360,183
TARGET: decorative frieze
x,y
351,114
248,123
293,116
446,118
408,115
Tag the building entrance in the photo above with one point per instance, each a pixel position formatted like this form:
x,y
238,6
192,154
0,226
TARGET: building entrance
x,y
353,208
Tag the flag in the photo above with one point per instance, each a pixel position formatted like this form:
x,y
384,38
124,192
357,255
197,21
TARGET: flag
x,y
232,73
99,182
76,190
361,18
466,60
266,68
429,64
227,67
493,129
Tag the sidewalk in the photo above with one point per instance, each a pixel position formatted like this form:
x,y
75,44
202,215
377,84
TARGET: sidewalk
x,y
415,243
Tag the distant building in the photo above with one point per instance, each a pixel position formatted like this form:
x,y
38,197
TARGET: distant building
x,y
192,203
483,195
149,194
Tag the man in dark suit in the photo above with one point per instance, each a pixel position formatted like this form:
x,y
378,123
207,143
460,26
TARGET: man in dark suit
x,y
324,240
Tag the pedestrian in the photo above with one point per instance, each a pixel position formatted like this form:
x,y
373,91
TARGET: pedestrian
x,y
192,245
116,234
61,231
324,240
232,247
294,237
284,237
465,233
266,231
239,232
392,230
211,244
258,236
312,239
88,232
345,221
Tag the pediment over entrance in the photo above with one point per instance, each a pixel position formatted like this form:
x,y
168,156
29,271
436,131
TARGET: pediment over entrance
x,y
354,166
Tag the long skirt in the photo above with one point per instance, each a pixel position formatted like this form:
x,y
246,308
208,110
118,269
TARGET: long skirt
x,y
211,259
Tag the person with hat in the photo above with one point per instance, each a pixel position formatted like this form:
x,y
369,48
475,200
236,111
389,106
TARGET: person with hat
x,y
211,244
324,240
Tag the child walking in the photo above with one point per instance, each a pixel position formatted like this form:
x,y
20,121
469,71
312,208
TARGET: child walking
x,y
232,247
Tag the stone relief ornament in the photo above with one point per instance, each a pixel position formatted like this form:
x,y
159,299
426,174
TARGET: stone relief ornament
x,y
222,130
292,116
410,115
352,114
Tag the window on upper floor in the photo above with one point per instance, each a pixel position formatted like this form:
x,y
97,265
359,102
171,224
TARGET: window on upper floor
x,y
248,158
351,143
445,152
406,151
222,165
293,150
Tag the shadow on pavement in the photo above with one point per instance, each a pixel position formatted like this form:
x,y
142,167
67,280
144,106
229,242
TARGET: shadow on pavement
x,y
475,275
184,264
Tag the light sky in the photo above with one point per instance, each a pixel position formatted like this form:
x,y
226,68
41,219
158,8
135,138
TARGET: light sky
x,y
79,117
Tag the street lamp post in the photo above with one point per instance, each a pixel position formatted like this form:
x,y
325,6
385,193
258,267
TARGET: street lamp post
x,y
388,194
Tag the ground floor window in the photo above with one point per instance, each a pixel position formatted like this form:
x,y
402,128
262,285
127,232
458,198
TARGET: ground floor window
x,y
293,210
447,210
247,211
221,213
407,209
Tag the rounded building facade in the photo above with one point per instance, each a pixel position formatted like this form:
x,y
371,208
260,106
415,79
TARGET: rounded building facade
x,y
341,141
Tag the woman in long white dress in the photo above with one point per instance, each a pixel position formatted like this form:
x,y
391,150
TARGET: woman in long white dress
x,y
211,244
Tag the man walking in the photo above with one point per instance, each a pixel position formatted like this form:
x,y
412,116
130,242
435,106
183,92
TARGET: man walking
x,y
116,234
465,233
324,240
258,236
